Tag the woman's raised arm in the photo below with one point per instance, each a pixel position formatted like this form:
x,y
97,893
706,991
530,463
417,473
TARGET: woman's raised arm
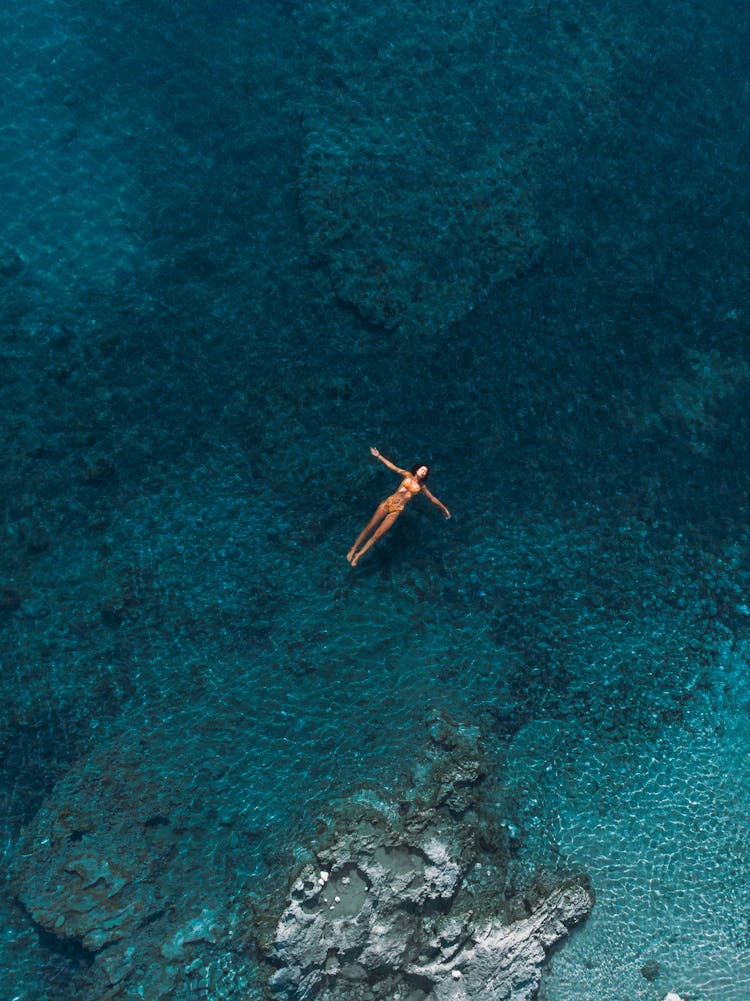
x,y
387,462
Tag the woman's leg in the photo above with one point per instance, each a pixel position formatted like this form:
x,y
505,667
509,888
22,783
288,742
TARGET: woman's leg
x,y
378,516
380,530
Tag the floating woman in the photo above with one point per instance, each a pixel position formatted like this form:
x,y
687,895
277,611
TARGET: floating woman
x,y
412,484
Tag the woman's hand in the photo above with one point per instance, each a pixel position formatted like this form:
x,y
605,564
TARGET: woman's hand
x,y
447,513
374,451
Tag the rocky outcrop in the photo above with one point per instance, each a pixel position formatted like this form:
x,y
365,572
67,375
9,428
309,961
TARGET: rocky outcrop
x,y
417,899
421,895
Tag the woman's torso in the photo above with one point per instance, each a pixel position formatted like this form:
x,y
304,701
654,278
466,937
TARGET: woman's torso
x,y
409,488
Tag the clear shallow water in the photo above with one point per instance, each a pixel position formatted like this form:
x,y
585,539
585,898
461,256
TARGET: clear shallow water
x,y
660,825
187,414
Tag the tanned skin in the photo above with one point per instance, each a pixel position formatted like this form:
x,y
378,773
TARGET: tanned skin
x,y
387,511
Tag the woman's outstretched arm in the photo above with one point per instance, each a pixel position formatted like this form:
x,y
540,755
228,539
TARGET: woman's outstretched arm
x,y
436,502
396,469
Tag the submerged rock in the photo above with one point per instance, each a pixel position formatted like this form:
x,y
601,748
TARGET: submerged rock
x,y
123,868
414,899
425,127
650,970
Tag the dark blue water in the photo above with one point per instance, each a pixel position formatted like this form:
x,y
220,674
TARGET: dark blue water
x,y
241,243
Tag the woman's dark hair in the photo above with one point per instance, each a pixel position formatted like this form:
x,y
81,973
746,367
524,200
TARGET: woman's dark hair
x,y
419,466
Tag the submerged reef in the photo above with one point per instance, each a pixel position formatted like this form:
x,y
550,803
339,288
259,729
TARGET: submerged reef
x,y
115,870
423,129
697,403
426,893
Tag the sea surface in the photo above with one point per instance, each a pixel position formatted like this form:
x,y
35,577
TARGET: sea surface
x,y
243,242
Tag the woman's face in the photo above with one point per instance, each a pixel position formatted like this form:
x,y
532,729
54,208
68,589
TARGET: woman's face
x,y
422,472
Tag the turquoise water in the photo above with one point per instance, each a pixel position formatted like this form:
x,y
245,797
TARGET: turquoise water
x,y
240,245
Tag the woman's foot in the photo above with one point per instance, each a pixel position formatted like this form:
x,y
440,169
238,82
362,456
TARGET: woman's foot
x,y
350,554
354,560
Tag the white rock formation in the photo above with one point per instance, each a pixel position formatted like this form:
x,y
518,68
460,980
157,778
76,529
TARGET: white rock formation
x,y
504,961
405,910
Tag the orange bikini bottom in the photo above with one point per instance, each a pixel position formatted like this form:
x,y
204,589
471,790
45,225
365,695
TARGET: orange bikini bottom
x,y
394,505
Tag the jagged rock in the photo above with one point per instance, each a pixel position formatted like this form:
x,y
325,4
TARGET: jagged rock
x,y
400,898
500,961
